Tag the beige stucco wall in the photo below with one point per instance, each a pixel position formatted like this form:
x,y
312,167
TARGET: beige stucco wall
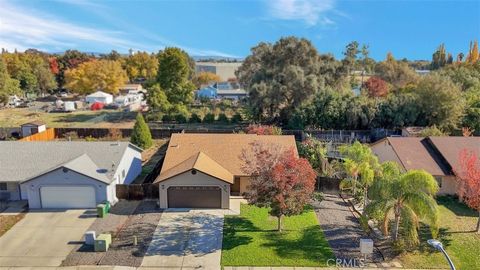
x,y
448,185
244,183
384,151
198,179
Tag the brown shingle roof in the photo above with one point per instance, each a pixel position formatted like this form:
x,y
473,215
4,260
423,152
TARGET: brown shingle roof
x,y
199,162
414,154
451,147
222,149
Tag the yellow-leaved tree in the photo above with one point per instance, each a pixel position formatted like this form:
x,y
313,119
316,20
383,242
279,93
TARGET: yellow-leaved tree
x,y
95,75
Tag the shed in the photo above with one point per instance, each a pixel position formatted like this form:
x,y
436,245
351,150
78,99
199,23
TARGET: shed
x,y
99,96
31,128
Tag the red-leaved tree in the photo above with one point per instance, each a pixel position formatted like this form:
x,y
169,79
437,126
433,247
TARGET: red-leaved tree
x,y
376,87
263,130
469,181
279,180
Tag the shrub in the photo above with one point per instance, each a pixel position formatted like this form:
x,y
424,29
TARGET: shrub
x,y
114,134
141,135
194,118
264,130
237,118
167,118
222,118
209,118
71,135
180,118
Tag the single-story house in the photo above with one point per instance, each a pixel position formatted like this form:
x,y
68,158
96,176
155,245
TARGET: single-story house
x,y
33,127
204,170
437,155
66,174
99,96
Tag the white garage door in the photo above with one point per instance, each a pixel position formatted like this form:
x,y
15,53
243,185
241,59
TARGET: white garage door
x,y
67,197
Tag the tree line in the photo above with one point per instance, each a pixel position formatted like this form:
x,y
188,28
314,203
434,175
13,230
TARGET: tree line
x,y
291,84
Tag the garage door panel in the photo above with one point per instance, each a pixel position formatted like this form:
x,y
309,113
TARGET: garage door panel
x,y
67,197
194,197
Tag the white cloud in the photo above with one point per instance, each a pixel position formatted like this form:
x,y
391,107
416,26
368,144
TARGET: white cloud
x,y
312,12
21,28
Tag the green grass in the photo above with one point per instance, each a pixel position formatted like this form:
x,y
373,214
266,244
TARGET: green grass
x,y
457,223
251,239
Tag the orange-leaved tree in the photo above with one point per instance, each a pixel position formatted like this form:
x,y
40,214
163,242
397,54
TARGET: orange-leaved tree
x,y
469,181
263,129
279,180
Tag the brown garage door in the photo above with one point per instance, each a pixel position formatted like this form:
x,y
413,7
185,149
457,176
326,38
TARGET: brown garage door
x,y
194,197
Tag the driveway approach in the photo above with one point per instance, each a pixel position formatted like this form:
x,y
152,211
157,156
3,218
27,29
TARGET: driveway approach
x,y
188,239
44,238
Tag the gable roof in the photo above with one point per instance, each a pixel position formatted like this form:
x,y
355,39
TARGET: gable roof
x,y
216,152
451,147
22,161
34,123
202,163
99,94
436,155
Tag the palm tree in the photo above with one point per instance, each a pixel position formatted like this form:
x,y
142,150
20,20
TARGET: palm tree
x,y
360,165
405,197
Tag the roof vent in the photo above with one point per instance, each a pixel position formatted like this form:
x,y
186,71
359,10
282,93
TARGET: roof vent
x,y
174,145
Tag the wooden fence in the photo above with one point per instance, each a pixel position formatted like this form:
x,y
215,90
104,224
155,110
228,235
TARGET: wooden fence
x,y
137,191
47,135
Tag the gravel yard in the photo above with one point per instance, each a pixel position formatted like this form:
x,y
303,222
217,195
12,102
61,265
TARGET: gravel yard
x,y
126,220
112,223
141,225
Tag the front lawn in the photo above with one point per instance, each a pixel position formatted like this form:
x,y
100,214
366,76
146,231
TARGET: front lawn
x,y
251,239
456,225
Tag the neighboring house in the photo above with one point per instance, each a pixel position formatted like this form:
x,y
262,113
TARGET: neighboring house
x,y
99,96
203,170
66,174
133,87
412,131
31,128
225,70
222,90
437,155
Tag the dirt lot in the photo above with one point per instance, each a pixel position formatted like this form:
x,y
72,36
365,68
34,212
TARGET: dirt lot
x,y
14,117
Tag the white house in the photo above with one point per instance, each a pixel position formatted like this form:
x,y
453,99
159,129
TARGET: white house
x,y
99,96
66,174
31,128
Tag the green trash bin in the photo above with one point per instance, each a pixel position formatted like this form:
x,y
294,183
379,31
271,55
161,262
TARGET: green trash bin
x,y
107,206
101,210
102,243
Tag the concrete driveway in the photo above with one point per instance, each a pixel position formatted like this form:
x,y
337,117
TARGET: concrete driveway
x,y
44,238
187,239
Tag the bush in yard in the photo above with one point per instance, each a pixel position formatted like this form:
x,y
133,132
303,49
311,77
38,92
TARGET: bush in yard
x,y
180,118
222,118
194,118
263,129
237,118
167,118
141,135
469,181
280,180
209,118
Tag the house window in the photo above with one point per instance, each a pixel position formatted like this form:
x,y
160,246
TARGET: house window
x,y
3,186
123,173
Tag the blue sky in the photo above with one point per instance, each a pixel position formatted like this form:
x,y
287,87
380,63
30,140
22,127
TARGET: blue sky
x,y
412,28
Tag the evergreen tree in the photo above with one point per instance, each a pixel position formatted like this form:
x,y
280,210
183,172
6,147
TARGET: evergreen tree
x,y
141,135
